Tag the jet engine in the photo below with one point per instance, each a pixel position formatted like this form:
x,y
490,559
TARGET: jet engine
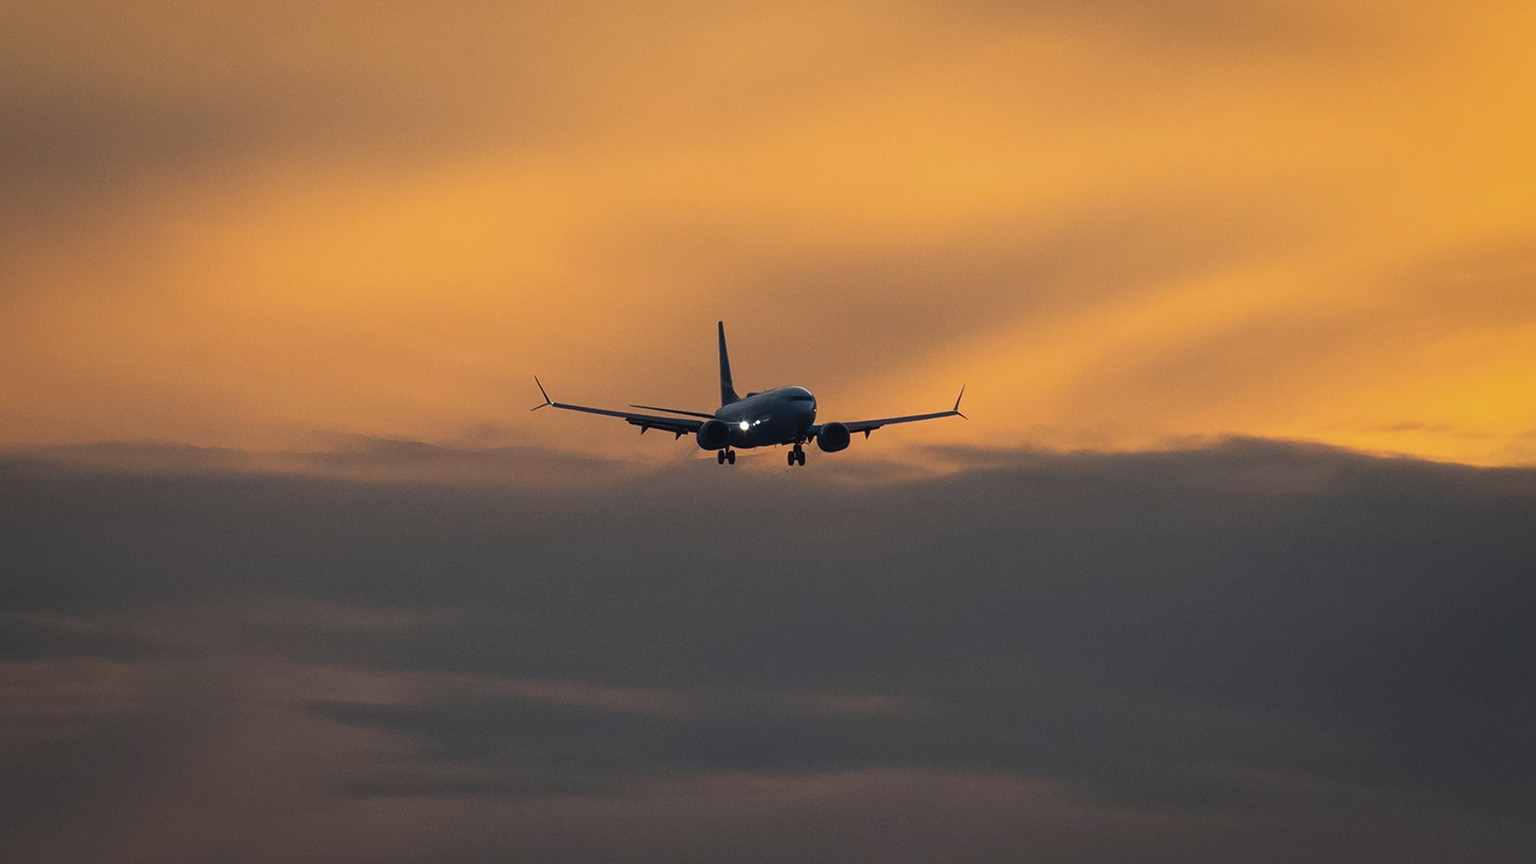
x,y
833,437
714,435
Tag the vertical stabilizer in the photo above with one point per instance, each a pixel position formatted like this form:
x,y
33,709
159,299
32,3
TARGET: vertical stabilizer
x,y
727,389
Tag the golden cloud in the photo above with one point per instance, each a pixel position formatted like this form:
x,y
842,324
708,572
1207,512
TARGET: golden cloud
x,y
1121,223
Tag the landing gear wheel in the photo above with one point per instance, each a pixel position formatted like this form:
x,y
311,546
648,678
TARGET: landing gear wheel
x,y
800,457
730,456
791,457
720,457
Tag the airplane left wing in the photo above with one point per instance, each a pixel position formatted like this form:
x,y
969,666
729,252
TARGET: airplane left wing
x,y
868,426
678,426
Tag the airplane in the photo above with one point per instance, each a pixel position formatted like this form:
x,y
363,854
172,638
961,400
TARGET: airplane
x,y
783,415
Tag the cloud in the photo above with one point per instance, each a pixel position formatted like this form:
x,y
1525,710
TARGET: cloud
x,y
244,228
337,602
1255,633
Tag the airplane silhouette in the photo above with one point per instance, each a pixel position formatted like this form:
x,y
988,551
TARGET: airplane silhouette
x,y
783,415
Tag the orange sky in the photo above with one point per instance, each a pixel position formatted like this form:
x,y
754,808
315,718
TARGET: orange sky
x,y
1121,223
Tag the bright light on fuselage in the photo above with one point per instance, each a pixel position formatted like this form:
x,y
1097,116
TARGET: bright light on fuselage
x,y
743,425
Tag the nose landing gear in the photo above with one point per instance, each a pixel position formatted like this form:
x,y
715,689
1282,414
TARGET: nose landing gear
x,y
725,456
797,455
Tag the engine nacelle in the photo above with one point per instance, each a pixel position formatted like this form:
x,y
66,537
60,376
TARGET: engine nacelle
x,y
833,437
713,435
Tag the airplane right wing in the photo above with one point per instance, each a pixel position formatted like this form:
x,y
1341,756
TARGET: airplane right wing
x,y
868,426
678,426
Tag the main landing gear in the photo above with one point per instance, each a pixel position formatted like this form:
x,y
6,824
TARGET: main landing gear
x,y
797,455
725,456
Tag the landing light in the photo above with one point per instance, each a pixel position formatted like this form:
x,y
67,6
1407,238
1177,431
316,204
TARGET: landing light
x,y
743,425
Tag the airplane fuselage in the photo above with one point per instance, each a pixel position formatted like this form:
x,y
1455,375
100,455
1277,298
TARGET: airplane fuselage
x,y
783,415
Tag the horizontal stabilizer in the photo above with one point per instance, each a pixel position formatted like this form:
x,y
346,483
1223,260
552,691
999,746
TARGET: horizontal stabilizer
x,y
676,411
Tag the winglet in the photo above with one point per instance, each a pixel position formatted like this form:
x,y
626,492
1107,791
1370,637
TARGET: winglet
x,y
956,409
547,402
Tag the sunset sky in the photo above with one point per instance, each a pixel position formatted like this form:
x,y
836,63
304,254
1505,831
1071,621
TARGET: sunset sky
x,y
1232,553
1122,224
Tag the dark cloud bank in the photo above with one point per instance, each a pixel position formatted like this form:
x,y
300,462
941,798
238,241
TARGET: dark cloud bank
x,y
1254,651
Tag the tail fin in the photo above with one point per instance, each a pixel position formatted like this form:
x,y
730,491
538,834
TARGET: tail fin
x,y
727,389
